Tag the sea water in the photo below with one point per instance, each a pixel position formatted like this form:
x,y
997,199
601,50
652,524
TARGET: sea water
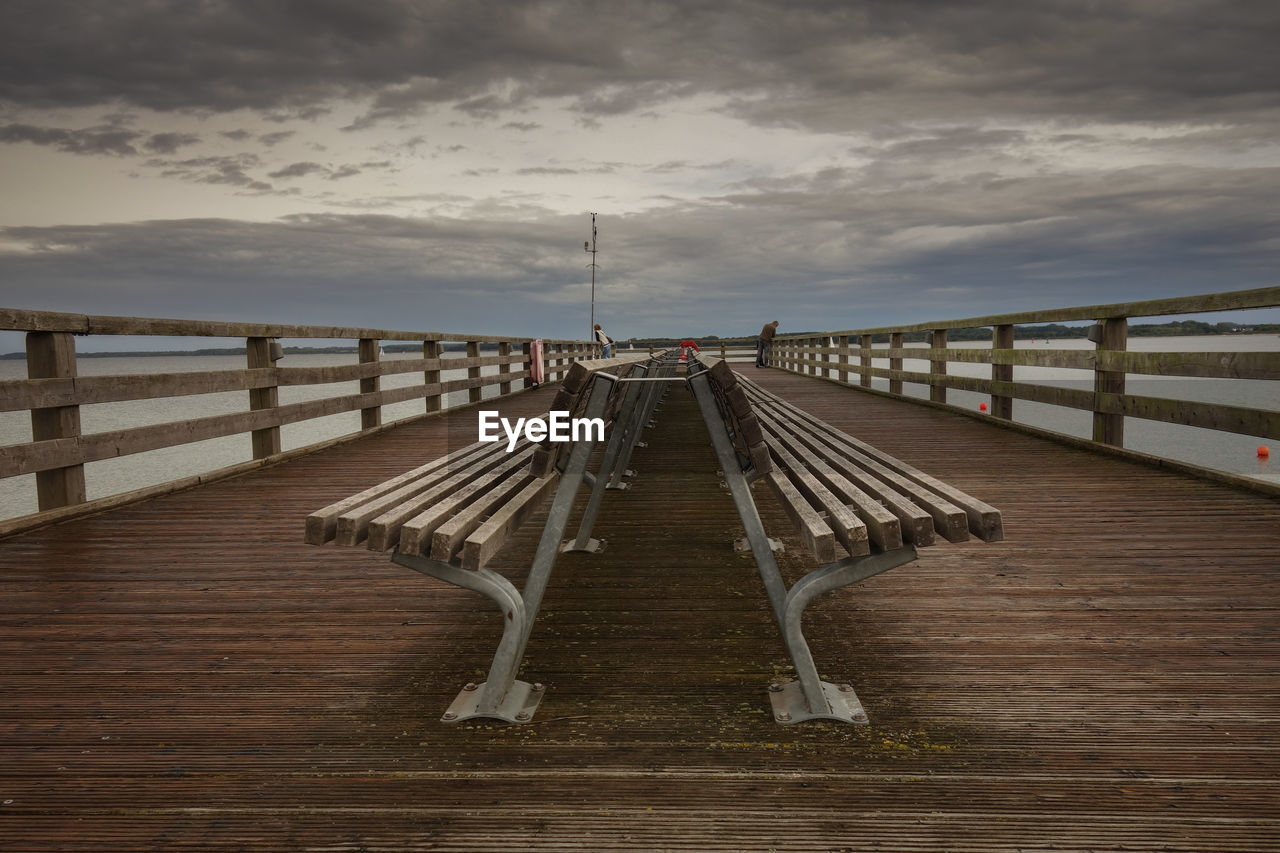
x,y
125,473
1213,449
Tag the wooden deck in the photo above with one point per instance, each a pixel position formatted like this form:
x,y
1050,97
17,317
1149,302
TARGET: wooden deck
x,y
186,674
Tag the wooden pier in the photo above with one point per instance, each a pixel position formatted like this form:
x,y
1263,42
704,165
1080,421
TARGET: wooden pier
x,y
184,673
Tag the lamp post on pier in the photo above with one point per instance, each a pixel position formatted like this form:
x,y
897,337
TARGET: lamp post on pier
x,y
590,247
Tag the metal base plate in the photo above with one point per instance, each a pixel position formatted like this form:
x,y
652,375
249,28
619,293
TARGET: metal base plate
x,y
743,545
789,705
621,487
593,546
519,706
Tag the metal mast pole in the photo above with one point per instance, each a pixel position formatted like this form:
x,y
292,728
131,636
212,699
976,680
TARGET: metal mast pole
x,y
591,247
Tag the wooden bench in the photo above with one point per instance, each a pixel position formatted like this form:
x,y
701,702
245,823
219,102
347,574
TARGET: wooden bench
x,y
857,510
449,517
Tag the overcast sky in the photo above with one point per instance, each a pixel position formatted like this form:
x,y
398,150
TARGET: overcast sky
x,y
433,165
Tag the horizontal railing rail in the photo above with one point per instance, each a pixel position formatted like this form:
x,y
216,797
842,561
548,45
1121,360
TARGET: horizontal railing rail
x,y
848,355
53,392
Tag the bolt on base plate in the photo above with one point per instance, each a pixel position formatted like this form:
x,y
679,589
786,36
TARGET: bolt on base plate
x,y
789,705
518,707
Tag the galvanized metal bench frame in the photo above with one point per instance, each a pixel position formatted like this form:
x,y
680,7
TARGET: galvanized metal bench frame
x,y
502,696
591,389
731,422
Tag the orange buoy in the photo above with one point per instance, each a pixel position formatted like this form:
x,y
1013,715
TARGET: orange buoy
x,y
982,407
1263,451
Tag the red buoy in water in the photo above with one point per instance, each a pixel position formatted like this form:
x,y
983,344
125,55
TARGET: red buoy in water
x,y
982,407
1263,451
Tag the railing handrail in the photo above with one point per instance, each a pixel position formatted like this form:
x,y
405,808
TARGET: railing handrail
x,y
53,391
842,355
1261,297
22,320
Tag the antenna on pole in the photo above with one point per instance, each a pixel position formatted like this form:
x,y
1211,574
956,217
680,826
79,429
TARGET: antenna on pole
x,y
590,247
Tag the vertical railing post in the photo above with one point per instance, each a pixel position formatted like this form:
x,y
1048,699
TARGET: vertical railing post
x,y
369,353
52,355
866,361
812,356
842,359
431,376
266,441
504,350
938,365
473,351
895,342
1001,339
526,350
1108,428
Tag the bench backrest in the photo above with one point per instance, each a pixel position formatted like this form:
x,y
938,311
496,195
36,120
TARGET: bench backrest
x,y
736,412
572,397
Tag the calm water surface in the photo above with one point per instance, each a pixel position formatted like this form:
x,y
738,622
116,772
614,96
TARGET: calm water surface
x,y
1223,451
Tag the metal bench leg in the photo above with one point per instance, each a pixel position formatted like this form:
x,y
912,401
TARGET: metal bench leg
x,y
621,426
501,696
649,401
810,698
515,702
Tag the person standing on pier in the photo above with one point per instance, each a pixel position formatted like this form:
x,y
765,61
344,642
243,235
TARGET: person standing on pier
x,y
764,343
604,341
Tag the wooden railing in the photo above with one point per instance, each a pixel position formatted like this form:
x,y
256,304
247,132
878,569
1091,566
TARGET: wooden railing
x,y
53,392
849,353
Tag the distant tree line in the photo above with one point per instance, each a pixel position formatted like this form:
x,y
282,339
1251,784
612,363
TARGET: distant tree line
x,y
1048,331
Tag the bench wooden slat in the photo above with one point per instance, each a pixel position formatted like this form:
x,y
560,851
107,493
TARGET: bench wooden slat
x,y
883,527
447,538
322,525
984,520
353,524
415,532
848,528
815,533
383,530
921,511
488,539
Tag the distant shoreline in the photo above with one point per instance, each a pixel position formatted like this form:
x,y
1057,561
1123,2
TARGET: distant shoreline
x,y
1052,331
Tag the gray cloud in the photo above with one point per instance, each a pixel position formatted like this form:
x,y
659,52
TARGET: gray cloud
x,y
298,170
820,64
112,140
230,170
98,140
168,143
272,139
972,245
990,157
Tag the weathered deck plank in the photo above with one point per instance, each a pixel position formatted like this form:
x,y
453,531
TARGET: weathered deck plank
x,y
185,672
